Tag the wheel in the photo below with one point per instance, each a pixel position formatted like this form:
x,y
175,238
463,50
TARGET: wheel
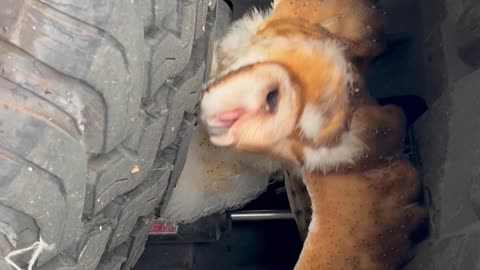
x,y
98,101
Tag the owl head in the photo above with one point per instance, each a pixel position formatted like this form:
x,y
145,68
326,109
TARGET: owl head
x,y
293,90
285,91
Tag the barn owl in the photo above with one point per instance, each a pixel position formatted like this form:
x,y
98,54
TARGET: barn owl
x,y
294,92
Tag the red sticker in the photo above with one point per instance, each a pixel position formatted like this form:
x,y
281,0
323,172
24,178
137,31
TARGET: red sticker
x,y
162,226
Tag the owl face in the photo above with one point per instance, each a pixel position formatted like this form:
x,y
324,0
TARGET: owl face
x,y
252,108
283,101
290,95
286,81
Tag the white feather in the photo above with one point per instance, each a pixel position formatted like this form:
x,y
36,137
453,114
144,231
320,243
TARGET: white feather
x,y
237,40
328,159
311,122
236,179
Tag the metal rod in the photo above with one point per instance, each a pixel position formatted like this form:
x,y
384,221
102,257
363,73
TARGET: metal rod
x,y
258,215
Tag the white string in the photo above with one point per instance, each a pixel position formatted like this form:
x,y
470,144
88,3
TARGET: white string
x,y
37,247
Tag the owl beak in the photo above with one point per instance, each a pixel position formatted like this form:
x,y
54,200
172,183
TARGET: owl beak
x,y
225,120
218,126
228,118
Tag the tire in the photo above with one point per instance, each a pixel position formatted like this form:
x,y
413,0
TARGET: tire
x,y
98,102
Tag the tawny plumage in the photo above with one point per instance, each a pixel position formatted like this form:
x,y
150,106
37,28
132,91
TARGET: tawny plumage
x,y
363,215
357,25
362,220
293,90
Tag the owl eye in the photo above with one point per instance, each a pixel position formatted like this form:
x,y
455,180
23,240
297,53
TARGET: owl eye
x,y
272,99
